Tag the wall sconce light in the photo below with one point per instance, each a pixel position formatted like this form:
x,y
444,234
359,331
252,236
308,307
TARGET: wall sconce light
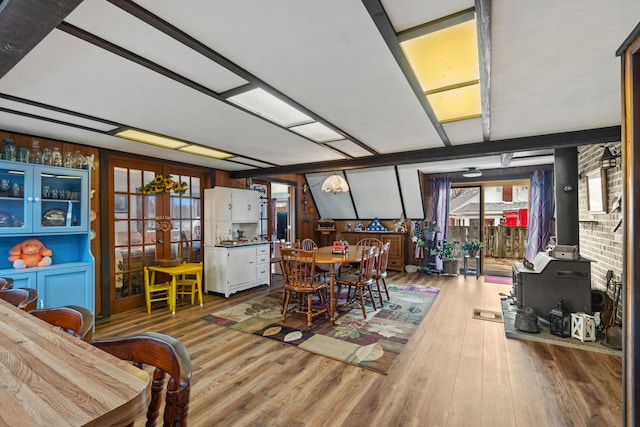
x,y
335,184
609,160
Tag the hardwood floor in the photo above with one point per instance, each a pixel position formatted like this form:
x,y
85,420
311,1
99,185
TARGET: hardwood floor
x,y
456,371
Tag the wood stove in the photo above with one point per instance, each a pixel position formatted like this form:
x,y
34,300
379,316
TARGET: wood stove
x,y
550,280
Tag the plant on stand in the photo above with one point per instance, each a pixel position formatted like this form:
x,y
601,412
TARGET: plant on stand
x,y
449,253
430,230
472,247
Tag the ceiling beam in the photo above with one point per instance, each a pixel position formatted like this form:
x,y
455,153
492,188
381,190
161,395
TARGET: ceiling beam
x,y
483,24
466,151
380,18
23,24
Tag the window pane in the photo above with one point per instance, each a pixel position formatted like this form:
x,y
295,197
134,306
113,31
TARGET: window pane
x,y
135,207
119,179
135,180
149,207
195,187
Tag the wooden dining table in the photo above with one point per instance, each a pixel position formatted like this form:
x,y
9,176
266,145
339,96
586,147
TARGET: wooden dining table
x,y
50,378
325,256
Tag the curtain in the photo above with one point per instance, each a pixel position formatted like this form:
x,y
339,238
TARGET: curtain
x,y
540,212
440,209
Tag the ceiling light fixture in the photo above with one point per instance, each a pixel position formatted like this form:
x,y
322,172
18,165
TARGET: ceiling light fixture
x,y
151,138
171,143
317,132
444,58
270,107
206,152
472,173
335,184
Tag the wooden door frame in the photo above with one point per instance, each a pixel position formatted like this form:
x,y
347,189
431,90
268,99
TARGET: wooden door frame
x,y
630,59
107,159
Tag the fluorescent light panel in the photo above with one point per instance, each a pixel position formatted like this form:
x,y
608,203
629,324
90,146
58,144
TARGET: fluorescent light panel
x,y
207,152
456,104
318,132
171,143
271,108
150,138
442,61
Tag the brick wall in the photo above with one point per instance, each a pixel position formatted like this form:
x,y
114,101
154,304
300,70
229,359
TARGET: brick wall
x,y
598,241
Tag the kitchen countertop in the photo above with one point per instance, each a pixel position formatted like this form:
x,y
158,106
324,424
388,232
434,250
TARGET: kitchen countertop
x,y
242,244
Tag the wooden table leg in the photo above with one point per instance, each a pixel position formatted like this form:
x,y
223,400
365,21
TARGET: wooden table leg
x,y
332,285
173,297
199,284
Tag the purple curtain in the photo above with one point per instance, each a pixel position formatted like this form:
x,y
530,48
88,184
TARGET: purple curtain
x,y
440,209
540,212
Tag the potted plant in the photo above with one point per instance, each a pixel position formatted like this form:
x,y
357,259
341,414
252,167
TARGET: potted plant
x,y
472,247
449,253
430,230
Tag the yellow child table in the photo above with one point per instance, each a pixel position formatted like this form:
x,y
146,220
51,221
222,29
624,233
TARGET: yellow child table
x,y
177,274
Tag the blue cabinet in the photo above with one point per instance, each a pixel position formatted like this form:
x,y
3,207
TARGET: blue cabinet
x,y
43,199
50,204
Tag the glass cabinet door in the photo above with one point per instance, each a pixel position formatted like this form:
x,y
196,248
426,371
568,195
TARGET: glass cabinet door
x,y
15,210
63,196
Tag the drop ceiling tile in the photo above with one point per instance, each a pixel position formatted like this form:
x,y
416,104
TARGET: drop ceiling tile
x,y
52,114
119,27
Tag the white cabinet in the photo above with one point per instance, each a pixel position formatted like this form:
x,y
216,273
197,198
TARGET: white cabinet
x,y
228,270
233,204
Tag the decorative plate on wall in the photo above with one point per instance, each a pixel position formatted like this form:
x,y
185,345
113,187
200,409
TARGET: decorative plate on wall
x,y
92,216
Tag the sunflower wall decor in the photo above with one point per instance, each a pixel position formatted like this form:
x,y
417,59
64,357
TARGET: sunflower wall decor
x,y
163,184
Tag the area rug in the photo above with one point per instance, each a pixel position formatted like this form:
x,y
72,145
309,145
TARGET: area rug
x,y
498,279
373,343
509,312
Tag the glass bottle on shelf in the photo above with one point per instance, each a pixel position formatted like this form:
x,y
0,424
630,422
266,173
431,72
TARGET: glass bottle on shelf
x,y
23,155
56,157
36,155
9,149
78,160
46,157
68,160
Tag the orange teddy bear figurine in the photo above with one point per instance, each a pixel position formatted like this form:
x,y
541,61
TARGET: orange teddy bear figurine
x,y
30,253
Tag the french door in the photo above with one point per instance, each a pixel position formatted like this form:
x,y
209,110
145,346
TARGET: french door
x,y
147,225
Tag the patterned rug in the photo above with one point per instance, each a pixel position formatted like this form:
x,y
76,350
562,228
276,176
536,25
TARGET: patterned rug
x,y
374,343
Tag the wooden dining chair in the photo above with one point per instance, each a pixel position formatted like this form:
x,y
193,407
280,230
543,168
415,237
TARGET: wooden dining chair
x,y
88,320
323,269
359,282
380,271
6,283
156,291
168,356
188,284
369,241
299,271
31,302
17,297
63,318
